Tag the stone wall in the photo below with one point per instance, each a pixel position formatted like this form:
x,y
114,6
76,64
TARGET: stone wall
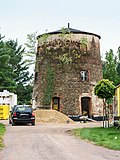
x,y
66,58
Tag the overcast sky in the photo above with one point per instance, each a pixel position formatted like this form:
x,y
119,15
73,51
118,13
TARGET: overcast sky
x,y
21,17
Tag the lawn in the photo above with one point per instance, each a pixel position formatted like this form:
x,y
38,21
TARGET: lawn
x,y
106,137
2,131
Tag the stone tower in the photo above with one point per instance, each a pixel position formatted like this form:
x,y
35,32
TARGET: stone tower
x,y
68,66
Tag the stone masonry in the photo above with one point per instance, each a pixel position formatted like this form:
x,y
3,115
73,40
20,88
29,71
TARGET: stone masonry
x,y
74,59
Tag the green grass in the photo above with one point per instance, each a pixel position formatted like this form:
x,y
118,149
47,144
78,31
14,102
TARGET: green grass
x,y
2,131
106,137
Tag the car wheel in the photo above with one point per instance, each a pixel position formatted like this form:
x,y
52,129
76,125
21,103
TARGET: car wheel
x,y
33,123
10,121
13,123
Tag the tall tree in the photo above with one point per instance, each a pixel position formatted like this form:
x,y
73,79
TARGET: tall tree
x,y
110,67
6,72
14,74
19,67
31,48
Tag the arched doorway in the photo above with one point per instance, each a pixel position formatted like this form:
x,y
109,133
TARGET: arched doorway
x,y
56,103
86,106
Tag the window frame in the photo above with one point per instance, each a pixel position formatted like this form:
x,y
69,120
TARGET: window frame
x,y
86,76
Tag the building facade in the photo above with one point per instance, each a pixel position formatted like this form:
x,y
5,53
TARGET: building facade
x,y
68,66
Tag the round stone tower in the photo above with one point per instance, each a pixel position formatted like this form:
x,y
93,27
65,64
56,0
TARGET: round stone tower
x,y
68,66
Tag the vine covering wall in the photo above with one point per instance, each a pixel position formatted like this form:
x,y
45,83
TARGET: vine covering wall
x,y
49,87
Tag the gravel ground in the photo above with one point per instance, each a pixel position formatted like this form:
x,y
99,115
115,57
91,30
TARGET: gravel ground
x,y
51,142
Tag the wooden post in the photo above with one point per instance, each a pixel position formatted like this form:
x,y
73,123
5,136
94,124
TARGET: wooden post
x,y
108,115
103,114
113,109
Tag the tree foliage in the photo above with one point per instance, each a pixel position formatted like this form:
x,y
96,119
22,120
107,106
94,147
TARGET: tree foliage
x,y
104,89
7,74
24,93
111,66
31,48
13,69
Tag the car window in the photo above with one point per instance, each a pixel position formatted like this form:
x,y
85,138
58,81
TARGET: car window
x,y
23,109
13,108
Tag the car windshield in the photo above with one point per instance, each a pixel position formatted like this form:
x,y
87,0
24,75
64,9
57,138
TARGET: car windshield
x,y
23,109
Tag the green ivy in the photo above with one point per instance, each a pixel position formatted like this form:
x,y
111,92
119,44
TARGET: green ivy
x,y
48,92
64,48
43,38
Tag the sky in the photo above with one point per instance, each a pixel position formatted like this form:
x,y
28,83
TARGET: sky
x,y
21,17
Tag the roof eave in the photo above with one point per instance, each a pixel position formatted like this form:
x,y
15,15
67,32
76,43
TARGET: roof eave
x,y
71,30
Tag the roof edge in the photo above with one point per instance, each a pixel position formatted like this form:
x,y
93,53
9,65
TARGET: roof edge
x,y
71,30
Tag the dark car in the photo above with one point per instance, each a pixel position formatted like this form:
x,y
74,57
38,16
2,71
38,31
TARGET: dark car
x,y
21,114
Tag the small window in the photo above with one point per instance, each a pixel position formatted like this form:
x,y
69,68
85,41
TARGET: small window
x,y
84,75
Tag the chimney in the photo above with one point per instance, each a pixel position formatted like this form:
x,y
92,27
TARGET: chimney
x,y
68,25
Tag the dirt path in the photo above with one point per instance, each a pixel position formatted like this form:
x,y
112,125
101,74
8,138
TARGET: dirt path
x,y
51,142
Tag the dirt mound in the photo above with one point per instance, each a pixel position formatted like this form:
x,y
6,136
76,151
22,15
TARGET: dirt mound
x,y
51,116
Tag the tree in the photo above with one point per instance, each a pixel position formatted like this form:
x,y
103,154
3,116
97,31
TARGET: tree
x,y
6,72
105,90
14,74
25,93
18,65
110,67
31,48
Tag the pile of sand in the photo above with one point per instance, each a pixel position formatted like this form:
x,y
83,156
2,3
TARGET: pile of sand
x,y
51,116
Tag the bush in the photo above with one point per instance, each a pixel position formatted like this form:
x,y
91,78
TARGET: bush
x,y
117,124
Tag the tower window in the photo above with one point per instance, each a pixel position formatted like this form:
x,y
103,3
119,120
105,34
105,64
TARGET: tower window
x,y
84,75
